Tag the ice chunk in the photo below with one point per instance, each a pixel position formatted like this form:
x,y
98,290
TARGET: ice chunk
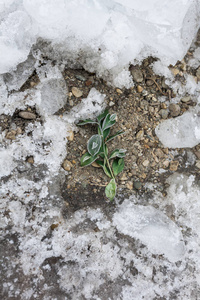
x,y
52,91
6,162
151,227
16,40
180,132
14,80
89,107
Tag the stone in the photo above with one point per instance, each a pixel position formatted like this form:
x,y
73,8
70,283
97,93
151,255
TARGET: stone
x,y
197,153
137,74
139,89
159,153
11,135
18,130
76,92
70,136
94,164
123,177
197,164
174,165
145,163
27,115
111,103
165,164
174,109
149,82
174,71
198,73
88,82
186,99
129,185
80,77
30,160
137,185
67,165
119,91
140,134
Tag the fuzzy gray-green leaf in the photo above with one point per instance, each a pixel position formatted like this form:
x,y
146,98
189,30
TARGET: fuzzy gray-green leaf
x,y
87,159
116,134
118,165
87,121
110,189
118,153
94,144
109,121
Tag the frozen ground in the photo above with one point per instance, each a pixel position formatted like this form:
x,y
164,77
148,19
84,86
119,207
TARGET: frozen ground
x,y
143,247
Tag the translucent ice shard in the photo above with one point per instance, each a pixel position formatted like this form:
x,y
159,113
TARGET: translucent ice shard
x,y
152,228
180,132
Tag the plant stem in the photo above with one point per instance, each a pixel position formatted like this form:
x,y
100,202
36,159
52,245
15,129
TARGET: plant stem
x,y
107,160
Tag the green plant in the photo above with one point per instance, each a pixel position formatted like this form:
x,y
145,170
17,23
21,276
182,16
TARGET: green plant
x,y
112,163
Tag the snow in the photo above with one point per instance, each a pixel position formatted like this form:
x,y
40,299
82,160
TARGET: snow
x,y
152,227
109,35
180,132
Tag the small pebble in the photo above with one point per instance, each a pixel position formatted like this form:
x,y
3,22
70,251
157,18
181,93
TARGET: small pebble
x,y
140,134
76,92
11,135
174,165
145,163
129,185
119,91
198,73
27,115
123,177
70,136
186,99
197,164
166,164
137,185
67,165
80,77
164,113
30,160
174,109
137,74
139,89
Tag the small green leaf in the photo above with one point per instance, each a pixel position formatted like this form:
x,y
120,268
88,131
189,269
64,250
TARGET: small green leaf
x,y
87,159
100,162
118,153
107,171
87,121
110,189
106,133
94,144
118,165
106,149
116,134
102,116
109,121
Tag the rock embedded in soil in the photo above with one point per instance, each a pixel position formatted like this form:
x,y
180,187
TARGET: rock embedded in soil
x,y
27,115
139,89
198,73
70,136
11,135
197,164
164,113
174,165
174,109
186,99
67,165
137,74
76,92
137,185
